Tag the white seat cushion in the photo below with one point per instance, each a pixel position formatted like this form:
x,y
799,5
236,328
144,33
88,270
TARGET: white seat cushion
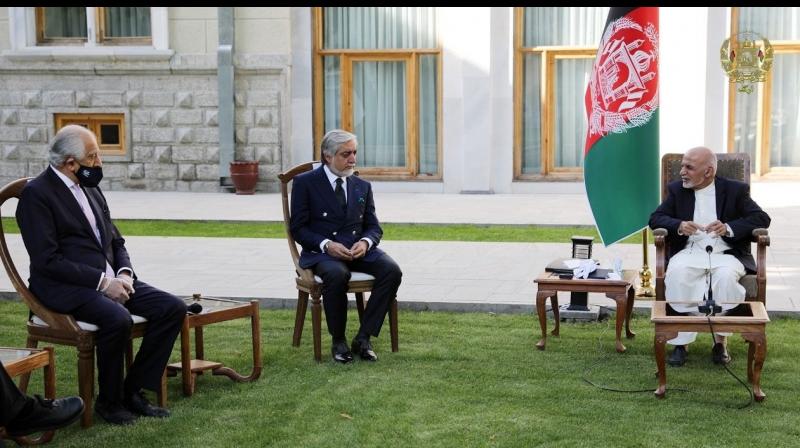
x,y
87,326
354,277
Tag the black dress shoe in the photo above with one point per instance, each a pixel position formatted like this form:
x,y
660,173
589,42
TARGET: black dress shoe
x,y
678,356
46,415
341,353
114,413
364,349
719,355
138,404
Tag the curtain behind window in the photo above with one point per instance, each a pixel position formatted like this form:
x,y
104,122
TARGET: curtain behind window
x,y
379,95
566,26
127,21
774,24
62,22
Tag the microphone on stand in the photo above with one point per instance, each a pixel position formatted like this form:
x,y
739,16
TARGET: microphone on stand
x,y
709,307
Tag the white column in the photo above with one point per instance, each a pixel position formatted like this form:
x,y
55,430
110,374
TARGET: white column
x,y
502,95
716,106
682,74
466,112
301,142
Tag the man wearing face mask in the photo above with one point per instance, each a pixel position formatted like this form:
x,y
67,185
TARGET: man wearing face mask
x,y
79,266
333,218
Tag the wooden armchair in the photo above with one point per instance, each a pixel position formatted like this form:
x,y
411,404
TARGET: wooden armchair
x,y
56,328
309,284
733,166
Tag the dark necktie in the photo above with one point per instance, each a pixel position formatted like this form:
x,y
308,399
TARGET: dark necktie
x,y
340,193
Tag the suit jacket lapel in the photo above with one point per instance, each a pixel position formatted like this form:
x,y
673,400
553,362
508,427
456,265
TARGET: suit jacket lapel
x,y
66,197
719,192
352,194
687,204
99,217
326,190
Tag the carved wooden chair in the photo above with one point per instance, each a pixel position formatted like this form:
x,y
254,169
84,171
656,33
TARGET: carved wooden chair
x,y
309,284
733,166
56,328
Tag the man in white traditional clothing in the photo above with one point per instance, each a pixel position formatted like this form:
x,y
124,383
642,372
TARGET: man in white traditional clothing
x,y
710,221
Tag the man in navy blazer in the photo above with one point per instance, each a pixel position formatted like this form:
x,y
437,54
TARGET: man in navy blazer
x,y
79,266
710,221
333,219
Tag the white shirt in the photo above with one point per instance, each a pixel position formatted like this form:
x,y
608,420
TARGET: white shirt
x,y
705,212
332,180
83,203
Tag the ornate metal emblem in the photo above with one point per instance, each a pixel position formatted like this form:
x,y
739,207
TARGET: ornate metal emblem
x,y
746,58
623,91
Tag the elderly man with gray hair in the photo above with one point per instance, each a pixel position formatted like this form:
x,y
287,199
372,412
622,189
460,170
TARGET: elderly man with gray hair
x,y
79,266
709,220
333,219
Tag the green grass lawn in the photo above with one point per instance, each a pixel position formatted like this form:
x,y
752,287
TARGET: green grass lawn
x,y
459,380
404,232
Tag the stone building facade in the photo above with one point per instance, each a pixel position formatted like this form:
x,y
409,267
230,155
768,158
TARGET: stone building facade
x,y
169,100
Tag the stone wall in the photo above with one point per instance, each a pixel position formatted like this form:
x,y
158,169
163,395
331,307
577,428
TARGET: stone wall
x,y
171,124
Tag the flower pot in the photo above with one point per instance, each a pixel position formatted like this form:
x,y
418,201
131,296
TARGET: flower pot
x,y
244,176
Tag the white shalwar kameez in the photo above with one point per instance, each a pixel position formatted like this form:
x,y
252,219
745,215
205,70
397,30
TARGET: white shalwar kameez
x,y
687,274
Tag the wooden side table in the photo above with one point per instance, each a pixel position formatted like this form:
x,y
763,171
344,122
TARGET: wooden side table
x,y
19,361
621,291
213,311
752,326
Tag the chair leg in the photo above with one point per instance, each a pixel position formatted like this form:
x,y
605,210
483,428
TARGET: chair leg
x,y
300,317
86,383
360,305
25,378
393,324
128,355
161,395
316,321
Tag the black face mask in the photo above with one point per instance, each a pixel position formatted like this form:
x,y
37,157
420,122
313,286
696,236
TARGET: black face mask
x,y
89,176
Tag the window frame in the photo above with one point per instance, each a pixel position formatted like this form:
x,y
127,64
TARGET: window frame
x,y
547,89
24,46
347,58
94,16
93,121
761,164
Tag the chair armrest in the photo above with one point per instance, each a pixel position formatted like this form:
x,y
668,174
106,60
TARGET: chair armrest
x,y
659,238
761,238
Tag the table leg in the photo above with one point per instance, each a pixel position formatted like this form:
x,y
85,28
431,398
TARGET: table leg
x,y
756,354
186,360
629,312
556,316
659,341
621,312
255,325
199,349
541,296
50,375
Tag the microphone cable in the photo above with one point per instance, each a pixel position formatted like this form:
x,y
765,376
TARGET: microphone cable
x,y
746,387
602,358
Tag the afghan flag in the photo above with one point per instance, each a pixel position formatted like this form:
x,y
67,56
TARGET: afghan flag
x,y
621,154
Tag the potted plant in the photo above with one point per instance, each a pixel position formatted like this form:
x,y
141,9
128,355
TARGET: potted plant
x,y
244,175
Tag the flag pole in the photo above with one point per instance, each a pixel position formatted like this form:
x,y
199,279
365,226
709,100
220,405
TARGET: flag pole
x,y
645,289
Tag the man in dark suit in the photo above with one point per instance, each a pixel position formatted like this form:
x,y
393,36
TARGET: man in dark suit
x,y
333,219
21,415
79,266
710,221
